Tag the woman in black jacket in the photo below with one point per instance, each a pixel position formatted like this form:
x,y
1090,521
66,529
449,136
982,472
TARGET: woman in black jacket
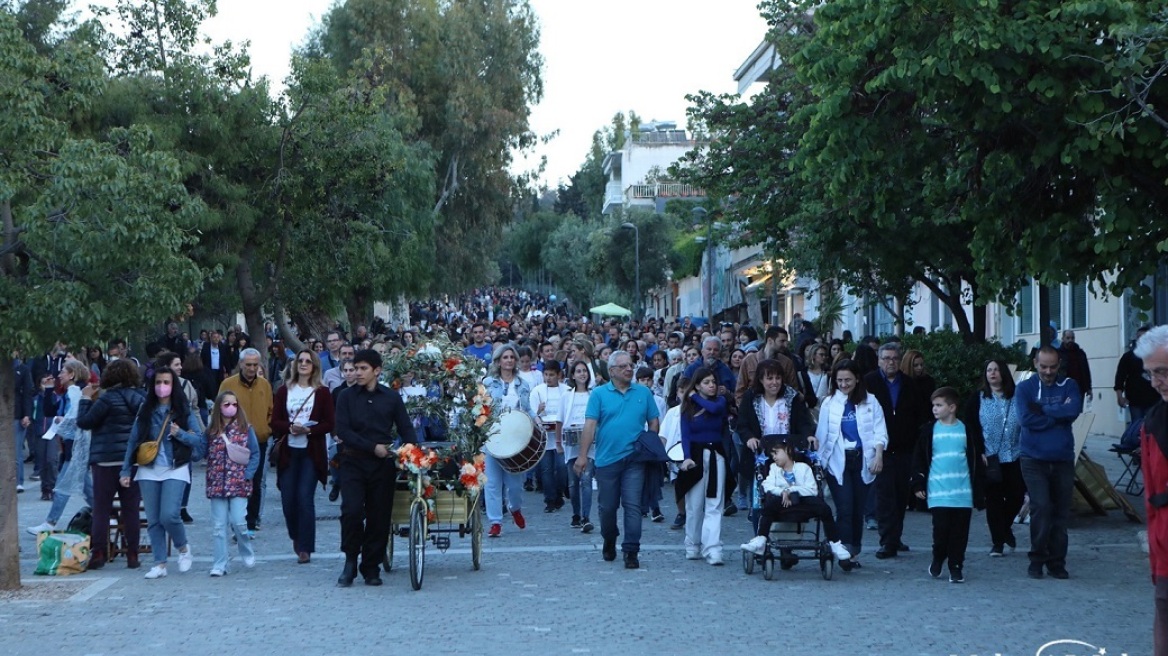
x,y
770,408
109,414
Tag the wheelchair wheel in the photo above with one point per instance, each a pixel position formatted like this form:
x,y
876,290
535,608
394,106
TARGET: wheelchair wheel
x,y
768,567
827,567
417,544
748,562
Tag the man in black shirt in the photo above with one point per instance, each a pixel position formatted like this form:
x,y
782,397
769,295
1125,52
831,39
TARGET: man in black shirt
x,y
364,415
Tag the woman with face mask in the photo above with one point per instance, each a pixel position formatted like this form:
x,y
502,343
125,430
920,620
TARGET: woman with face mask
x,y
164,418
229,481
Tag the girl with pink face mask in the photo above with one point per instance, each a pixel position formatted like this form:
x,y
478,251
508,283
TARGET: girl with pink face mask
x,y
164,418
229,476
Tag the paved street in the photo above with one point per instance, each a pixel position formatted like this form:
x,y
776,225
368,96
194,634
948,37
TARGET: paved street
x,y
545,590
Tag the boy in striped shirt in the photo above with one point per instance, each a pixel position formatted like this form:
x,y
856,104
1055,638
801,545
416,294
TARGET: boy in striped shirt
x,y
946,468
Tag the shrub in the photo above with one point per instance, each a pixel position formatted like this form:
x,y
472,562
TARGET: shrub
x,y
950,361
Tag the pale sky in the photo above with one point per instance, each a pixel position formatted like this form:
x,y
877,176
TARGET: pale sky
x,y
600,57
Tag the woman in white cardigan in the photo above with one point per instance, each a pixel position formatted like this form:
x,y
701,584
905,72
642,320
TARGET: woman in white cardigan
x,y
851,438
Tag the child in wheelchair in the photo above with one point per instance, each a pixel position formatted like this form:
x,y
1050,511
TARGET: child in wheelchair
x,y
792,495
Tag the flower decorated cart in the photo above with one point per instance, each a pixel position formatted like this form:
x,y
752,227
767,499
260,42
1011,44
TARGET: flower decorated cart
x,y
441,483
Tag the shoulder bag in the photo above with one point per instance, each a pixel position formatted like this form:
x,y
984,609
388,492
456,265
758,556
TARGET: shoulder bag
x,y
148,451
281,444
236,453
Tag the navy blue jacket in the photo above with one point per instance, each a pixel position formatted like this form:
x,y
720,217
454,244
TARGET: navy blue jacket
x,y
110,417
24,391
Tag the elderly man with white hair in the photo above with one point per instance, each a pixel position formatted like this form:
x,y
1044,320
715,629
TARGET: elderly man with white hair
x,y
1152,348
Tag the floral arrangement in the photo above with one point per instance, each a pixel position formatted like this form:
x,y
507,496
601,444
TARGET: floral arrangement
x,y
454,397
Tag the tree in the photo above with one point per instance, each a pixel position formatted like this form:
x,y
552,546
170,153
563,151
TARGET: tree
x,y
468,71
58,193
947,147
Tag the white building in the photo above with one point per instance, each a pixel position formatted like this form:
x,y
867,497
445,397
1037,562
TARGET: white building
x,y
635,172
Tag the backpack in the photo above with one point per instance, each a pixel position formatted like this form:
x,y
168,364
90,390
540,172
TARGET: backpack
x,y
82,522
1130,440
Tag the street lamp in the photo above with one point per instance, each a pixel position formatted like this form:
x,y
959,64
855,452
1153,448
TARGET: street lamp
x,y
636,264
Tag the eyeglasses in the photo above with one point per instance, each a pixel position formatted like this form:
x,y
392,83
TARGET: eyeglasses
x,y
1160,374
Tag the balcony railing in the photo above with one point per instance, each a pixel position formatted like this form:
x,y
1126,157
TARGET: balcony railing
x,y
663,190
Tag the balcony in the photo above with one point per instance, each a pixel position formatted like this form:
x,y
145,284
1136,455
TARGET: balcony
x,y
613,198
663,190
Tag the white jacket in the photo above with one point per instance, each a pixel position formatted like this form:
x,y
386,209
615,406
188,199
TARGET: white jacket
x,y
775,483
870,423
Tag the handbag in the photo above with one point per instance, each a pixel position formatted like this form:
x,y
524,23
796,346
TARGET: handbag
x,y
148,451
236,453
648,448
993,469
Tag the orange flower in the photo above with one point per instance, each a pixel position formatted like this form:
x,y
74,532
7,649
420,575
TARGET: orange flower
x,y
451,363
396,384
429,491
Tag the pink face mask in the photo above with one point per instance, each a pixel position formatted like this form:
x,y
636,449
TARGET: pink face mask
x,y
229,410
162,390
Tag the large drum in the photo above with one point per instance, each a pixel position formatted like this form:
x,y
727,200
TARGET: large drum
x,y
516,442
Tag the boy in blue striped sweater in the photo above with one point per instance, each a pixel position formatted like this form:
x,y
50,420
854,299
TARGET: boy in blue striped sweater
x,y
945,473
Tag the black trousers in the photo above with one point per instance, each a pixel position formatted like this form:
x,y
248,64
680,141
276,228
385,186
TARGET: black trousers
x,y
1003,501
255,502
807,508
367,488
951,535
892,493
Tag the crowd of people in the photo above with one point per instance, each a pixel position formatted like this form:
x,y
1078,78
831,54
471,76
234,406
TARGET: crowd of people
x,y
746,414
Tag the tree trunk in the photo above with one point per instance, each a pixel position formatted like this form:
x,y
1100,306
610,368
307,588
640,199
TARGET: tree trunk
x,y
358,309
979,322
9,522
953,301
250,300
314,323
290,339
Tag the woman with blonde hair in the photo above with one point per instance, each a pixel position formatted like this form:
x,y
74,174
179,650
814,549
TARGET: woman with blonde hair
x,y
302,415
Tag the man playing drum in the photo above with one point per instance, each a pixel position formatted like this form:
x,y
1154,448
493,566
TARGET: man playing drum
x,y
617,411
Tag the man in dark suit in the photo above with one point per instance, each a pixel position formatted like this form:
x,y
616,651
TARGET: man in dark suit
x,y
49,363
216,357
899,398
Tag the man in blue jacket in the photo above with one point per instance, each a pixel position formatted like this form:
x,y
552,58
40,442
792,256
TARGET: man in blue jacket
x,y
1047,408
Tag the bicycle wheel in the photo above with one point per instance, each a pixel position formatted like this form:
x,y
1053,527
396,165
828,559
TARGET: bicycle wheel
x,y
417,543
475,519
387,564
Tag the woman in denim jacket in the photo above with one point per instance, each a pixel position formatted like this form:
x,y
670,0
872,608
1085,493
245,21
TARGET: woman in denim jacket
x,y
163,481
508,392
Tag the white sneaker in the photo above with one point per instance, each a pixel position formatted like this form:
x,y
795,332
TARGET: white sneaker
x,y
19,489
249,561
841,552
757,545
217,572
41,528
156,572
185,560
693,553
715,558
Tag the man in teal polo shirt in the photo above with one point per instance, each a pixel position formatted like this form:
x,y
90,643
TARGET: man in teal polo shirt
x,y
617,413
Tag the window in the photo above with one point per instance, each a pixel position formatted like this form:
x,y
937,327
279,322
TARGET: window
x,y
1078,294
1025,309
1055,304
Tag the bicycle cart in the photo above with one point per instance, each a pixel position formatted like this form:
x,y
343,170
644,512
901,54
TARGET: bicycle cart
x,y
429,515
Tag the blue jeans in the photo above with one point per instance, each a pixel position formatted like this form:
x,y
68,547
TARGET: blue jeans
x,y
549,470
163,501
621,484
297,485
850,500
580,489
497,479
1051,486
60,499
231,510
18,433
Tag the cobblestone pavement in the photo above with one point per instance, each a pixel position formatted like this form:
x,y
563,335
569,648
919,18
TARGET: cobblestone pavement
x,y
545,590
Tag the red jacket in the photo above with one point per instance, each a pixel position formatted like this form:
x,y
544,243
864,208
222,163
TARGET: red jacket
x,y
1154,464
322,414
